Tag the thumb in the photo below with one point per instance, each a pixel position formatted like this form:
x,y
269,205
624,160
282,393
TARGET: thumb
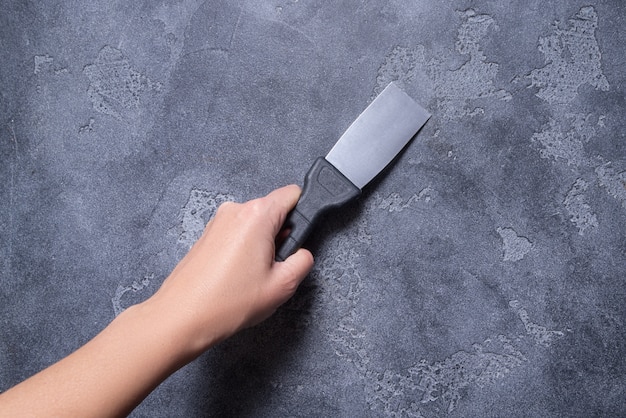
x,y
288,274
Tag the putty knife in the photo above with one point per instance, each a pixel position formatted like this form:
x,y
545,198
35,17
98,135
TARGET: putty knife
x,y
363,151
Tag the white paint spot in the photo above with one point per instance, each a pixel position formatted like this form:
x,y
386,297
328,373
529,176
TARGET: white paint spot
x,y
580,212
400,66
114,86
564,139
539,333
444,381
41,61
515,246
199,209
614,181
135,286
396,203
454,90
572,58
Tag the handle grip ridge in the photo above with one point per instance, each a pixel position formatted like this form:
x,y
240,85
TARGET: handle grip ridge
x,y
325,188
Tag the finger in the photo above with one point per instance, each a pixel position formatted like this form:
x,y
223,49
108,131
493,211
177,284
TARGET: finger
x,y
289,274
280,203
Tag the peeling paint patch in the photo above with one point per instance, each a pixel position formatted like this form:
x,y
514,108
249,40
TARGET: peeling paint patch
x,y
540,334
572,58
486,363
515,246
558,144
396,203
614,181
199,209
45,64
89,127
411,392
42,61
564,139
343,285
114,86
133,287
400,66
424,386
445,381
580,212
456,89
393,394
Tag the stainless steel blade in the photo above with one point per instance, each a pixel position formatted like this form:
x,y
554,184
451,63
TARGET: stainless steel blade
x,y
377,135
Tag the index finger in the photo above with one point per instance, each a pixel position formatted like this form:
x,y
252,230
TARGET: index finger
x,y
281,202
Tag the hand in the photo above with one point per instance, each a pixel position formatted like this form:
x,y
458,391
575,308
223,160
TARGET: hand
x,y
229,279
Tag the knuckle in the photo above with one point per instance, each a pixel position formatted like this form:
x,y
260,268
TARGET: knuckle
x,y
226,207
255,209
224,211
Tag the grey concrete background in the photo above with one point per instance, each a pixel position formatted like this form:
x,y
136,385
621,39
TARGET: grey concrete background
x,y
482,276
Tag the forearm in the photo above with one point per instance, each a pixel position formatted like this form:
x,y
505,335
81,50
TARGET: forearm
x,y
109,375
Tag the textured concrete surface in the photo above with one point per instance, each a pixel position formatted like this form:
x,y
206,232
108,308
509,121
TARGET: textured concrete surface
x,y
482,276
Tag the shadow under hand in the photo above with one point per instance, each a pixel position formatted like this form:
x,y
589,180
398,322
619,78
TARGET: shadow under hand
x,y
244,374
251,373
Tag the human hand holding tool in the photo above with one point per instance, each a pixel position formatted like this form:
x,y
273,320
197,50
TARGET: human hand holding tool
x,y
228,281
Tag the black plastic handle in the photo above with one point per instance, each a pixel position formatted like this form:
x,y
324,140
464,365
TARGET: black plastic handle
x,y
325,188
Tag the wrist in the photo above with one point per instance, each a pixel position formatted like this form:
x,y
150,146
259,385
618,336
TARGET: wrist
x,y
179,325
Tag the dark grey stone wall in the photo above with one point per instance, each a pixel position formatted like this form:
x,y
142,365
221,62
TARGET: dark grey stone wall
x,y
482,276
